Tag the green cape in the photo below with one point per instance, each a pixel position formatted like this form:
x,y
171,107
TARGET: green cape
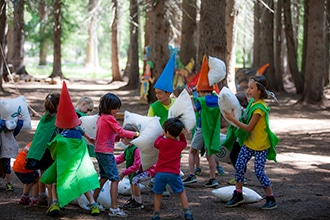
x,y
72,171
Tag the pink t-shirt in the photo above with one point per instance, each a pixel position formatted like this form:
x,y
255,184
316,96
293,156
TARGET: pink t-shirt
x,y
136,166
107,130
169,155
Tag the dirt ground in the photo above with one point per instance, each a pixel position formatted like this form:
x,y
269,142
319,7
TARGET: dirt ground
x,y
300,178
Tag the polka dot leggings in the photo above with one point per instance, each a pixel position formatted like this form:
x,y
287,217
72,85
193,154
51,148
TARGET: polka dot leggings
x,y
244,156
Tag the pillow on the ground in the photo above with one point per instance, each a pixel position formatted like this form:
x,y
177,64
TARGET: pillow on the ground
x,y
150,129
88,123
183,105
227,102
124,187
11,108
224,154
104,196
217,71
225,194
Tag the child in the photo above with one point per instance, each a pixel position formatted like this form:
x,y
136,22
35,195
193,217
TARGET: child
x,y
83,106
207,134
131,155
39,156
9,148
256,139
69,178
29,178
107,129
168,165
146,80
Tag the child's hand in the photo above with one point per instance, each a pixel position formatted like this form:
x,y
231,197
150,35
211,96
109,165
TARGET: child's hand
x,y
230,116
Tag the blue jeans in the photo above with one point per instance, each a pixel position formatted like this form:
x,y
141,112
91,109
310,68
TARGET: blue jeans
x,y
107,166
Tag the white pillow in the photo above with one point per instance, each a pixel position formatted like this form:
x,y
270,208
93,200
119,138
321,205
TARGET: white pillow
x,y
227,102
145,142
183,105
9,109
217,71
150,129
224,154
88,123
124,187
104,196
226,193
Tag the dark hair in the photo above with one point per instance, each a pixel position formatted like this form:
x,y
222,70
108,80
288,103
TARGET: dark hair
x,y
131,127
242,98
262,85
108,102
51,102
173,126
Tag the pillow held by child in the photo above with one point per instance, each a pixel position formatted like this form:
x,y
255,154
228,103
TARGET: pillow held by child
x,y
227,102
217,71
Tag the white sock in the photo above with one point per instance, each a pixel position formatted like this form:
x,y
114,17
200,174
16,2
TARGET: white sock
x,y
138,199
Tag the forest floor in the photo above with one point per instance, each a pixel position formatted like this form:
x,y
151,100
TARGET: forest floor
x,y
300,178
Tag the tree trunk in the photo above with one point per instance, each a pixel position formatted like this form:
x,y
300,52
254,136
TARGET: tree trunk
x,y
256,36
114,44
314,76
43,48
159,40
267,43
213,31
279,70
17,58
188,47
57,70
92,57
292,50
133,64
3,22
231,35
327,44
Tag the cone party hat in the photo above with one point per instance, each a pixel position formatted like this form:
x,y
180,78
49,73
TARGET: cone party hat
x,y
203,81
165,81
66,115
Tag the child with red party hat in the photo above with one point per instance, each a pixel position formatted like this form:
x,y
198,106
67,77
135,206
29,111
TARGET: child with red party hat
x,y
72,172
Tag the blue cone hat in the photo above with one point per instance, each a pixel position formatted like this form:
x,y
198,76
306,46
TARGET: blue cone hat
x,y
165,81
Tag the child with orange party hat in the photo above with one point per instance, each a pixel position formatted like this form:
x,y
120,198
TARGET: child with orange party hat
x,y
72,172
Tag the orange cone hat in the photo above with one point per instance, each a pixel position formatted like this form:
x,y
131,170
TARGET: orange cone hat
x,y
203,80
66,115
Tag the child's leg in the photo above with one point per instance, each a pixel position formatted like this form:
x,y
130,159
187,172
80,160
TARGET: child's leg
x,y
183,199
98,190
54,192
197,160
157,202
114,193
35,189
193,153
212,165
136,192
89,196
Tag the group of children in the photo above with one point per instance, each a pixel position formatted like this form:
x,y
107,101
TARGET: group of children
x,y
58,137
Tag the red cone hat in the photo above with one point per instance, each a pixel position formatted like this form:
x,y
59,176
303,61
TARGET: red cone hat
x,y
203,80
66,115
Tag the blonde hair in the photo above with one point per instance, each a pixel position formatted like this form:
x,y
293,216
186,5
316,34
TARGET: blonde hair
x,y
87,100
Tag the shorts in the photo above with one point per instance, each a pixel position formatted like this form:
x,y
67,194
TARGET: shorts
x,y
6,165
107,166
27,178
162,178
141,177
197,142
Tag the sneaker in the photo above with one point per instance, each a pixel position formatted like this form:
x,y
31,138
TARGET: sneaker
x,y
117,212
190,179
235,200
220,171
155,217
94,209
9,187
198,171
33,202
128,202
188,216
42,200
270,203
24,200
134,205
53,209
211,183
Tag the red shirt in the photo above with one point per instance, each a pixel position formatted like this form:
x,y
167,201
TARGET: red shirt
x,y
169,155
